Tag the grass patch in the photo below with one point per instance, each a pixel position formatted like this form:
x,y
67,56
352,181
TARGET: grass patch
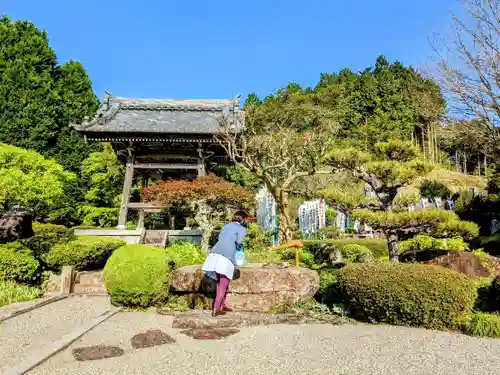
x,y
482,325
11,292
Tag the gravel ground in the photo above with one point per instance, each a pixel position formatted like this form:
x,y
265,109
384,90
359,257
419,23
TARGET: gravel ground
x,y
282,349
28,332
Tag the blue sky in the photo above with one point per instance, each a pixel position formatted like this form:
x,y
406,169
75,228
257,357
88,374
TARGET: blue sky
x,y
216,49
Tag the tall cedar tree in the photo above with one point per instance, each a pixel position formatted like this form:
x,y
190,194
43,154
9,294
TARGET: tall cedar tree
x,y
39,99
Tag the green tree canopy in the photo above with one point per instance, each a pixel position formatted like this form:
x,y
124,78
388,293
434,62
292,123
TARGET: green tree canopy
x,y
105,174
30,180
388,101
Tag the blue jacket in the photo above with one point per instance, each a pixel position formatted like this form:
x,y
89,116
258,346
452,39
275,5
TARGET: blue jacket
x,y
230,238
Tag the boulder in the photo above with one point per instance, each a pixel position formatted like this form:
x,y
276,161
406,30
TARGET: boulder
x,y
16,224
462,262
255,288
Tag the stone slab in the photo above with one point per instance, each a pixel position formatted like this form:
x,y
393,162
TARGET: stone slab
x,y
203,320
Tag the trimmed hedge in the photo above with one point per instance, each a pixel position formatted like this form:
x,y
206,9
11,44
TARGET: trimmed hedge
x,y
378,247
427,243
408,294
85,253
41,228
47,236
482,324
355,253
18,264
138,276
184,253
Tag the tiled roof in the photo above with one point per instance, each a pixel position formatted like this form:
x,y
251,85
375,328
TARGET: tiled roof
x,y
126,115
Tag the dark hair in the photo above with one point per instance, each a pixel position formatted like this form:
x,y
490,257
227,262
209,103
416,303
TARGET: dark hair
x,y
240,217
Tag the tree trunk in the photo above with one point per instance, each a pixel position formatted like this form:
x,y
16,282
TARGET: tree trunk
x,y
285,225
392,244
285,220
202,217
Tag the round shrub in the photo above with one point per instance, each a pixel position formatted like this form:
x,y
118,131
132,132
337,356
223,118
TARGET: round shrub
x,y
184,253
256,239
85,253
18,264
138,276
482,324
408,294
356,253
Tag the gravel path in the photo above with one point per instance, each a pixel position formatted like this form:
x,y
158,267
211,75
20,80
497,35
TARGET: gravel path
x,y
28,332
282,349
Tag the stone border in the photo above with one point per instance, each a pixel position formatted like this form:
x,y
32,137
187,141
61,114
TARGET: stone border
x,y
11,311
45,353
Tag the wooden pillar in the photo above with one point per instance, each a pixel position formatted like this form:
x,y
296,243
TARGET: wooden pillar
x,y
140,222
127,186
201,161
67,278
142,212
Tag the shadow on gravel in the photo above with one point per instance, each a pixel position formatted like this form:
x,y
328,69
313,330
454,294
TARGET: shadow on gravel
x,y
91,353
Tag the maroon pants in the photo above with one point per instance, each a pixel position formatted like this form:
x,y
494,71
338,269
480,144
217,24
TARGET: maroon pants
x,y
220,297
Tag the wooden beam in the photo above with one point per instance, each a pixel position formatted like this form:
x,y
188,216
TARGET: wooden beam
x,y
165,166
166,156
145,206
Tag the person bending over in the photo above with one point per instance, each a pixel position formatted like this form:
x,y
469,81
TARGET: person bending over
x,y
219,264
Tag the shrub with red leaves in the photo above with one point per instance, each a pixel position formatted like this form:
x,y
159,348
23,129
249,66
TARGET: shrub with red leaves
x,y
209,198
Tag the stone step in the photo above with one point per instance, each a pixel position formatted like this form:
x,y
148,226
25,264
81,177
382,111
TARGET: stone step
x,y
83,289
90,277
204,320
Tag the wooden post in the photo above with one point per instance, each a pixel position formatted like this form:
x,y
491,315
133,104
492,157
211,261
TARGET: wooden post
x,y
188,224
67,277
201,161
127,186
485,166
